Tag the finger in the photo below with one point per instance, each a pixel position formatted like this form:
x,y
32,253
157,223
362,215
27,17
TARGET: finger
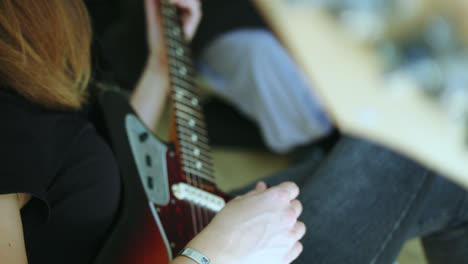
x,y
298,231
297,206
260,187
295,251
290,188
191,16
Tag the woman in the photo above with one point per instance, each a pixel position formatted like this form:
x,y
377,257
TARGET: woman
x,y
59,185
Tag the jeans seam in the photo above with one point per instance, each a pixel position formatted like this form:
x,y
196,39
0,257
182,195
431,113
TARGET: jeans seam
x,y
397,225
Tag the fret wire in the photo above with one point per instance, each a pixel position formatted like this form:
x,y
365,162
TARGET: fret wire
x,y
177,58
193,166
187,92
194,127
193,173
188,102
200,130
189,68
172,55
208,164
204,172
177,61
193,145
183,83
171,25
198,166
202,156
179,91
185,98
198,143
201,138
185,116
173,30
175,44
191,122
190,132
193,160
178,39
198,170
189,79
180,88
178,50
205,163
198,174
188,73
189,111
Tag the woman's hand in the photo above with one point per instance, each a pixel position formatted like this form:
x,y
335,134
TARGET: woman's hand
x,y
190,15
258,227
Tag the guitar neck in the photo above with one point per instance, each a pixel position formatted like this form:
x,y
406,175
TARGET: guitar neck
x,y
188,130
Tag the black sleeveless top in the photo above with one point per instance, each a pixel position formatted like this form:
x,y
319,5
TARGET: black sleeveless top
x,y
58,158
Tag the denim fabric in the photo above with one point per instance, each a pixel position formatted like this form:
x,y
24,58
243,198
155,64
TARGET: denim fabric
x,y
261,80
362,202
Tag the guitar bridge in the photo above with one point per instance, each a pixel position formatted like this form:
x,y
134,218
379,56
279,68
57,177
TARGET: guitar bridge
x,y
185,192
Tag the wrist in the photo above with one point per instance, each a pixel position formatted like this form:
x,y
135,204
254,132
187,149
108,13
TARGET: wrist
x,y
182,260
158,65
211,248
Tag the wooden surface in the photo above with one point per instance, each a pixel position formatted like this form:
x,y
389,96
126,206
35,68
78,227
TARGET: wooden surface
x,y
348,77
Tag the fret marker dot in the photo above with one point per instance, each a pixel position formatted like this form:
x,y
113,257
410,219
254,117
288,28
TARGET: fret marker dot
x,y
179,94
180,51
196,152
198,164
183,70
191,123
194,138
194,101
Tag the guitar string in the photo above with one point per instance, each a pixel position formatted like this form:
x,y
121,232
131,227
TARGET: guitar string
x,y
189,79
202,214
167,11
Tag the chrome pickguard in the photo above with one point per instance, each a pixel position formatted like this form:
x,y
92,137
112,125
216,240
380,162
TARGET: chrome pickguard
x,y
150,159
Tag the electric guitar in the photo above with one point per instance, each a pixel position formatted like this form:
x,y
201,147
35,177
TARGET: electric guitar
x,y
169,193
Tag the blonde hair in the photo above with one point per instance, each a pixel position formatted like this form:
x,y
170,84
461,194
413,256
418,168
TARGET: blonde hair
x,y
45,50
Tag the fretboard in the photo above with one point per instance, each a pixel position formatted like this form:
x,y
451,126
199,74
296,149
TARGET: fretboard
x,y
192,140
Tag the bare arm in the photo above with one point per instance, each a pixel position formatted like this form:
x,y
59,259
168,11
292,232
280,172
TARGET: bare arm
x,y
149,96
12,249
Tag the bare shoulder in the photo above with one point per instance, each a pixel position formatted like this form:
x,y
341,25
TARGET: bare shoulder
x,y
12,249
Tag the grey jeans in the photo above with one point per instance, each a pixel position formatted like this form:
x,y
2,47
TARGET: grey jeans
x,y
362,202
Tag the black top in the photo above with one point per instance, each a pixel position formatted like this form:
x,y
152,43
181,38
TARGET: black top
x,y
58,158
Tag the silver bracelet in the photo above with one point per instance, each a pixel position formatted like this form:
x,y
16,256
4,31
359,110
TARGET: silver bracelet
x,y
194,255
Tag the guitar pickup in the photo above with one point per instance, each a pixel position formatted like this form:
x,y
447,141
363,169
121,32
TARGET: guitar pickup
x,y
191,194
